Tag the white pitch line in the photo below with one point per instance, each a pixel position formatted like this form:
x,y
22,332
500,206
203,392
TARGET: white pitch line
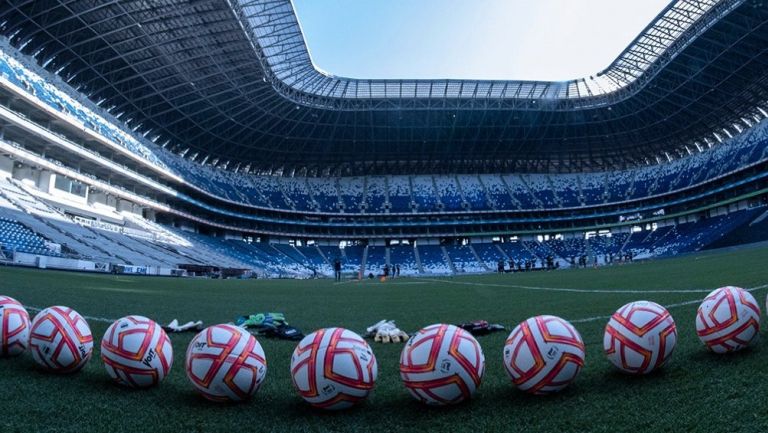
x,y
389,282
406,283
675,305
91,318
584,320
562,289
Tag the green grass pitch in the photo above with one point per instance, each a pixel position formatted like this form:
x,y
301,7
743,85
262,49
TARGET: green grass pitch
x,y
697,391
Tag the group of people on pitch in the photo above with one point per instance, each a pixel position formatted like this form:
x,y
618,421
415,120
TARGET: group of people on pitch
x,y
388,271
548,263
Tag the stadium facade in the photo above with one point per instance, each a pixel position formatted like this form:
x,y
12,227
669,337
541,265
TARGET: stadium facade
x,y
164,134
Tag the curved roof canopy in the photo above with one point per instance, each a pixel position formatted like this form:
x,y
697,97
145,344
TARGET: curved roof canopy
x,y
230,82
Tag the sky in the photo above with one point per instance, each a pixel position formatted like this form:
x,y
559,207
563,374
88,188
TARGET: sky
x,y
552,40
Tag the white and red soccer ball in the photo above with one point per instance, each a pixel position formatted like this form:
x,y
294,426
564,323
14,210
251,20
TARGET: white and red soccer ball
x,y
728,320
60,340
226,363
640,337
442,365
137,352
14,327
544,354
333,368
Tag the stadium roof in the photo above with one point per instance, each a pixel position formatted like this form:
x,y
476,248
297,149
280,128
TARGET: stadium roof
x,y
232,81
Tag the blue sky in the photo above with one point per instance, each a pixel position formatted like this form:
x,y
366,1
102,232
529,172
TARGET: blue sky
x,y
471,39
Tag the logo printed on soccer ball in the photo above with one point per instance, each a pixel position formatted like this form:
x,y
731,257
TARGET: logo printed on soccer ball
x,y
333,368
445,366
226,363
136,352
150,356
14,327
543,354
640,337
362,355
60,340
553,352
442,365
728,320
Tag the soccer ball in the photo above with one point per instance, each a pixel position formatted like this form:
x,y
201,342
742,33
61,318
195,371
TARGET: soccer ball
x,y
226,363
333,368
640,337
728,320
14,327
136,352
442,365
60,340
543,354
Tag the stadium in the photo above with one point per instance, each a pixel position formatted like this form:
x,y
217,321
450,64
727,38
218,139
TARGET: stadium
x,y
188,160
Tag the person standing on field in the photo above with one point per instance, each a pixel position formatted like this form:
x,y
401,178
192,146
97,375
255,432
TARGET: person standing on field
x,y
337,269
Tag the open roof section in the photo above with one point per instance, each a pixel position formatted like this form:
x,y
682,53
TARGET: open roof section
x,y
544,40
275,31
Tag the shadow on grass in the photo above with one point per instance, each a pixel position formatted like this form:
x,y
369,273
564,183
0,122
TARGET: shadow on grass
x,y
730,358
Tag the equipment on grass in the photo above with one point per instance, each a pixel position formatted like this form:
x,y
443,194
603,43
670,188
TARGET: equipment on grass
x,y
60,340
136,352
543,354
284,332
14,327
441,365
386,331
261,320
270,325
640,337
333,368
728,320
225,363
481,327
189,326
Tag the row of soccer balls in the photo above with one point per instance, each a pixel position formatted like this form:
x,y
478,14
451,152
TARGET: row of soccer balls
x,y
335,368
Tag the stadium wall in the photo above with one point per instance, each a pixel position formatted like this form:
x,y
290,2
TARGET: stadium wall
x,y
67,264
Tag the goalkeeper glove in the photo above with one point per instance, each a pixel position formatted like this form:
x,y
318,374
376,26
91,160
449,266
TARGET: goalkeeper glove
x,y
388,332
